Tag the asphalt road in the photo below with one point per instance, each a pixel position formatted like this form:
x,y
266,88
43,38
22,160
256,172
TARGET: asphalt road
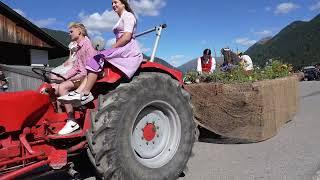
x,y
293,154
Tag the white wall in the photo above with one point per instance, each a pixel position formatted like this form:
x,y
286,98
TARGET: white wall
x,y
38,57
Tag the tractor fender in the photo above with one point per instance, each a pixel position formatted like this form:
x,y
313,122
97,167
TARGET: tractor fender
x,y
157,67
112,74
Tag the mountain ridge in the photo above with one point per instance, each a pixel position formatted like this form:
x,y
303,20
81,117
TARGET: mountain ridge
x,y
298,44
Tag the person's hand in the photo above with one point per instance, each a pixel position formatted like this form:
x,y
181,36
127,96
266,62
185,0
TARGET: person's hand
x,y
74,47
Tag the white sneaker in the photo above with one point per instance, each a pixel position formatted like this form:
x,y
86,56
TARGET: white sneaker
x,y
86,98
72,98
76,99
70,127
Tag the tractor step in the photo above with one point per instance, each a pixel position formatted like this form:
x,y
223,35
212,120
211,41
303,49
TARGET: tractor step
x,y
75,134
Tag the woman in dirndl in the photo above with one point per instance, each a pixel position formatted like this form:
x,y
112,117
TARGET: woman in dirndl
x,y
125,54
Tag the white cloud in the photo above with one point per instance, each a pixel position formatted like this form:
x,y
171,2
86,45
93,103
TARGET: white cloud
x,y
179,56
38,22
267,8
285,8
110,42
177,60
147,7
143,48
245,41
19,11
44,22
315,7
264,33
98,23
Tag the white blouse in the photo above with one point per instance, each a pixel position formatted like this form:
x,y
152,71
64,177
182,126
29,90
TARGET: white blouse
x,y
199,66
126,23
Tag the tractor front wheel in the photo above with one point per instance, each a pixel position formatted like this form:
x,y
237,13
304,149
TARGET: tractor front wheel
x,y
143,130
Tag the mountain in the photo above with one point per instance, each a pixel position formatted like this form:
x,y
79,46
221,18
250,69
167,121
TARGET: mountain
x,y
64,38
160,61
61,36
188,66
192,64
297,44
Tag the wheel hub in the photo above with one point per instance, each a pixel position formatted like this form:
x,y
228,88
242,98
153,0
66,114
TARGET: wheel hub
x,y
156,134
149,132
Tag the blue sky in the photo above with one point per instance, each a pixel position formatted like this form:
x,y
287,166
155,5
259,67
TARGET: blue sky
x,y
192,25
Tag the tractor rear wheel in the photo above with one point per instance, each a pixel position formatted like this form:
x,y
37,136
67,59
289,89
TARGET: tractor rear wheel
x,y
143,130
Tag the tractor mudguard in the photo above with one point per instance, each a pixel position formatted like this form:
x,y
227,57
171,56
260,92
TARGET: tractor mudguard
x,y
112,74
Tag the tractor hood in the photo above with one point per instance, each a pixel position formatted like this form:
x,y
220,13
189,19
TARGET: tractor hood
x,y
18,109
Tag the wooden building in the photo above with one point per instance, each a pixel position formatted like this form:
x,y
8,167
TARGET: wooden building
x,y
23,43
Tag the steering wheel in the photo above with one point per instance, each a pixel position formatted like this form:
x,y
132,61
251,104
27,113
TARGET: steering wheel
x,y
45,74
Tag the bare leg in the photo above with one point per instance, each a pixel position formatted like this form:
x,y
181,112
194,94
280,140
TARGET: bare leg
x,y
91,80
83,91
82,85
56,88
71,125
56,93
59,109
64,90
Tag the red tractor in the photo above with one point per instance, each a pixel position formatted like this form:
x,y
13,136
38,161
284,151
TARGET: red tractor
x,y
141,128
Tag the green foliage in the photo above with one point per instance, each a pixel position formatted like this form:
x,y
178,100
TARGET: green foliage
x,y
238,75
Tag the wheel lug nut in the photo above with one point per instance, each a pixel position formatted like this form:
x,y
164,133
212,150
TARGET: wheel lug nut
x,y
142,138
147,143
153,142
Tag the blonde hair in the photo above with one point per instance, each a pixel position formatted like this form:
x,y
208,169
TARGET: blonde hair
x,y
82,28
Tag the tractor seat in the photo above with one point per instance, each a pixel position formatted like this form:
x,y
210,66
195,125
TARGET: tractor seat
x,y
111,74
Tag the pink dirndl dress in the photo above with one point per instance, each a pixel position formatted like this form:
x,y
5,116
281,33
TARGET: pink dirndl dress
x,y
127,58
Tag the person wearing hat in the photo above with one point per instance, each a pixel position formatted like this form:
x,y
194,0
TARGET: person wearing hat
x,y
206,63
229,57
246,62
